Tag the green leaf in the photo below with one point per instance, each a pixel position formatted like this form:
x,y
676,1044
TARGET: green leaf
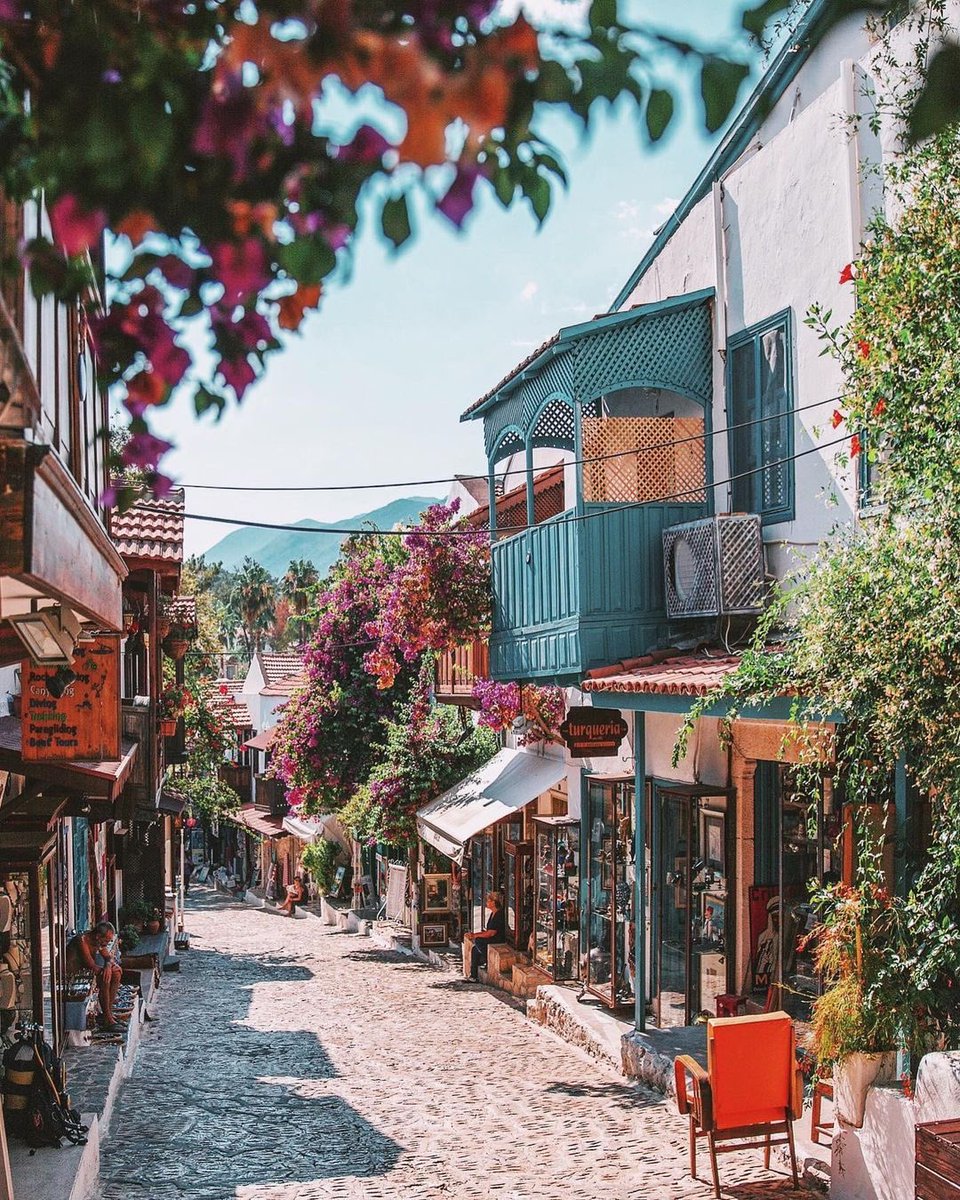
x,y
537,190
720,83
395,221
756,19
307,259
504,187
659,113
204,399
191,306
603,14
939,103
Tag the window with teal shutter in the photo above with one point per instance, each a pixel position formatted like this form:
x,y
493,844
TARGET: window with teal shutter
x,y
760,418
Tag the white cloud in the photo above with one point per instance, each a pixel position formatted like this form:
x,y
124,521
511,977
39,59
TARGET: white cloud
x,y
529,290
666,206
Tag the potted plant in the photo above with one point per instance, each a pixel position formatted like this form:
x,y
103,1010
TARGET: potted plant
x,y
177,642
173,701
858,1022
154,922
133,915
129,938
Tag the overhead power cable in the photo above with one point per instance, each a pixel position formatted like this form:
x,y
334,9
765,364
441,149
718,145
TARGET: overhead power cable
x,y
572,520
411,483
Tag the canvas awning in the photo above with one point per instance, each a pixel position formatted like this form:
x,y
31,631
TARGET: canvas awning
x,y
507,783
307,829
259,822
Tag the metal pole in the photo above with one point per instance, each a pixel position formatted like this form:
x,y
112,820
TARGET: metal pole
x,y
640,870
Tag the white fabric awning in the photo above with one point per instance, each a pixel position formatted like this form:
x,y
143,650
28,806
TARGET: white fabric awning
x,y
508,782
307,829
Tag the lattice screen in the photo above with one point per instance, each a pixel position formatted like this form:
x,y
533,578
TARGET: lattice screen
x,y
668,350
520,406
643,459
555,426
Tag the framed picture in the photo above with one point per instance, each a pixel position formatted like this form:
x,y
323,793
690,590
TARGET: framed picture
x,y
339,878
713,841
436,893
433,933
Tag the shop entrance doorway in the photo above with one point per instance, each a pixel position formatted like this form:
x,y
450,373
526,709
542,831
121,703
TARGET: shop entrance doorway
x,y
690,887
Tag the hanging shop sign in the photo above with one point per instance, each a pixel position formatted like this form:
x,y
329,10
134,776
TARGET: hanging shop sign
x,y
74,718
593,732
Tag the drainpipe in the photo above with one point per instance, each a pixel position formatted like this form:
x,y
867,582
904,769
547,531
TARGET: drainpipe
x,y
720,347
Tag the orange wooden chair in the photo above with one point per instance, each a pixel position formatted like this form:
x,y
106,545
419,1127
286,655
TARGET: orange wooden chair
x,y
751,1088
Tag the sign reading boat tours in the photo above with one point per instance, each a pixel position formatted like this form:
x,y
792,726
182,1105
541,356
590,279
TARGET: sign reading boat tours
x,y
83,722
593,732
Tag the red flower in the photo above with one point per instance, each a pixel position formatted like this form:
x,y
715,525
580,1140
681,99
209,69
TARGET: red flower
x,y
847,275
863,349
837,419
855,446
880,408
74,228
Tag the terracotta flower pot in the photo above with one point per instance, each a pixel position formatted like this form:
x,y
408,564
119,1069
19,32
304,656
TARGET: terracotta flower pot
x,y
176,648
168,727
853,1077
163,627
152,927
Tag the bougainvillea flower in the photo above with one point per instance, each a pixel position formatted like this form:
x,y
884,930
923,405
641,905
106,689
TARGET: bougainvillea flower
x,y
227,123
75,228
863,349
458,201
847,275
241,267
144,450
837,419
880,408
169,360
368,146
855,446
145,389
292,308
176,272
238,374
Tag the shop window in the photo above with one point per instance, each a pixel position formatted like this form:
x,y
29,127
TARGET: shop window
x,y
794,846
557,940
760,417
690,886
608,968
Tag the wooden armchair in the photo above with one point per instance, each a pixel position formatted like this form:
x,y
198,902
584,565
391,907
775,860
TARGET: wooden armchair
x,y
751,1088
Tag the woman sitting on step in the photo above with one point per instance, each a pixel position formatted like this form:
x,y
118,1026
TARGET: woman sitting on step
x,y
296,894
494,933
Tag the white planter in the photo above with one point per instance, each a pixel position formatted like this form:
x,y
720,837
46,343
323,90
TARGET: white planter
x,y
851,1079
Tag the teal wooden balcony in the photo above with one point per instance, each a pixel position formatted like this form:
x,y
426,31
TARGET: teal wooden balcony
x,y
625,400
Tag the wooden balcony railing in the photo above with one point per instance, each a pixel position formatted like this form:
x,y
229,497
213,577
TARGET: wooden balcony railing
x,y
236,777
139,724
459,669
270,795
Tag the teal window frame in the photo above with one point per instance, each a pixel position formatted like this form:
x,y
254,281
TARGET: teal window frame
x,y
759,433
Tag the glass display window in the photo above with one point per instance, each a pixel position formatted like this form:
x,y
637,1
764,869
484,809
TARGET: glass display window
x,y
518,894
557,917
690,894
608,965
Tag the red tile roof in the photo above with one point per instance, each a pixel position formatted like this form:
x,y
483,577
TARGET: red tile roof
x,y
279,666
221,696
182,610
152,529
285,686
259,822
512,505
664,673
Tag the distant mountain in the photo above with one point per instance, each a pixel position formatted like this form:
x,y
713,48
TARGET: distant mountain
x,y
275,549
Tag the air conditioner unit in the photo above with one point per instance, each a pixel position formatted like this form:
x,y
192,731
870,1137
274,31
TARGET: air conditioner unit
x,y
714,567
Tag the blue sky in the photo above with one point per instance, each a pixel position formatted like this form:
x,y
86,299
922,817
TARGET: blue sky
x,y
371,391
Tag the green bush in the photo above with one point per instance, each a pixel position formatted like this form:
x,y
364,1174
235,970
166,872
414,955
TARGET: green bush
x,y
319,858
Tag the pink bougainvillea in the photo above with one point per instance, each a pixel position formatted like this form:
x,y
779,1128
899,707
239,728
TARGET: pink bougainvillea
x,y
543,706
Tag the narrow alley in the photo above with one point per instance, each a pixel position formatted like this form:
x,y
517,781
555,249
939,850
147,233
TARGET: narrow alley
x,y
293,1062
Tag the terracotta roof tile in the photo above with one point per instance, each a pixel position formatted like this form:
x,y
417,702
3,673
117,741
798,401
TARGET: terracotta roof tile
x,y
151,529
286,685
182,610
655,674
279,666
521,366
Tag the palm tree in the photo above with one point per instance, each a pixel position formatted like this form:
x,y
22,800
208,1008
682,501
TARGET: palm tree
x,y
254,595
297,585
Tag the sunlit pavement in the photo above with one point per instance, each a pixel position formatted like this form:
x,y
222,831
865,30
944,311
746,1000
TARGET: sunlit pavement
x,y
292,1062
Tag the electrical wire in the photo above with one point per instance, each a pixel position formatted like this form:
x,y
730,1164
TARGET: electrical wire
x,y
687,494
573,462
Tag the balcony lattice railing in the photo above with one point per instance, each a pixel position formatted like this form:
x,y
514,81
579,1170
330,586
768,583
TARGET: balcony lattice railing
x,y
459,669
236,777
643,460
270,795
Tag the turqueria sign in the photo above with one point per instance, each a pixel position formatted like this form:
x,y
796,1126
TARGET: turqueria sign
x,y
593,732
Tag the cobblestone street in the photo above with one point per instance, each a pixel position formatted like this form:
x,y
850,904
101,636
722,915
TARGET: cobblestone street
x,y
292,1062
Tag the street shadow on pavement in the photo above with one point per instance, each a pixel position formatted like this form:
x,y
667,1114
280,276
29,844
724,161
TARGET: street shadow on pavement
x,y
627,1093
222,1099
389,958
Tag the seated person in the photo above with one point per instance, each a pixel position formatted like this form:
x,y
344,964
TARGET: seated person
x,y
296,893
97,951
494,933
